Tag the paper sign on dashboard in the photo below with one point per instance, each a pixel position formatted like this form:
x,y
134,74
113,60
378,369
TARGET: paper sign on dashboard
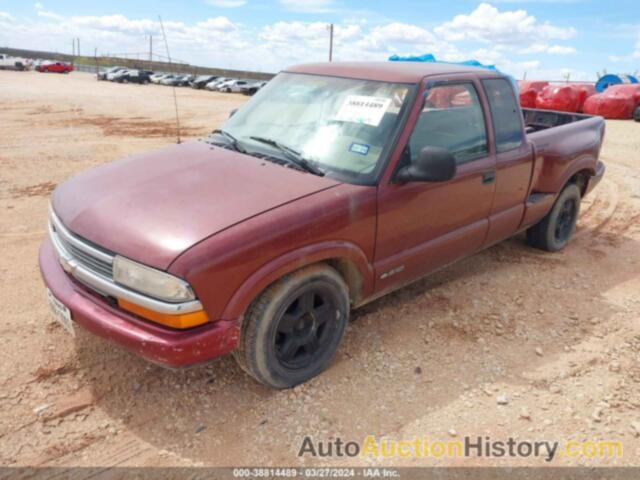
x,y
363,109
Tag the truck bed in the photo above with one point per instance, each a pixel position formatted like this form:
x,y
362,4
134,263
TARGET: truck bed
x,y
563,143
536,120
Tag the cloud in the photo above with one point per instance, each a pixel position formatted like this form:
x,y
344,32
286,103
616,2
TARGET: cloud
x,y
217,24
308,6
402,33
226,3
629,58
38,6
283,33
404,38
46,14
546,48
561,50
487,24
502,38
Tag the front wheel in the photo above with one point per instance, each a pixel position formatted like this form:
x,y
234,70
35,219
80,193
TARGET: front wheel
x,y
636,114
555,229
292,330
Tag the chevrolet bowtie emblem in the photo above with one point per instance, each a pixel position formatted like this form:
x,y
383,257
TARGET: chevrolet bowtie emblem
x,y
66,266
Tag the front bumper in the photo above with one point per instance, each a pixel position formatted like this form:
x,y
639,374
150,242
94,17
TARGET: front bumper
x,y
164,346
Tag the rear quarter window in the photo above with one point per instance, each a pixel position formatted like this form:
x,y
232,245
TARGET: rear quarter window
x,y
505,114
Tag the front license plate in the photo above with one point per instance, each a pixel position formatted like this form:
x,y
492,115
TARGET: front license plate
x,y
61,313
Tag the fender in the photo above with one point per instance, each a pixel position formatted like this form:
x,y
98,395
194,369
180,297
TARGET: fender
x,y
539,203
295,260
585,162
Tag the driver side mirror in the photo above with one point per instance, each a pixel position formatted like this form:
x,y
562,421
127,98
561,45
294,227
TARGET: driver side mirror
x,y
434,164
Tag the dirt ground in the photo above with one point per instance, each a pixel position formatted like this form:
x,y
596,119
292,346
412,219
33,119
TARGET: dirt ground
x,y
558,335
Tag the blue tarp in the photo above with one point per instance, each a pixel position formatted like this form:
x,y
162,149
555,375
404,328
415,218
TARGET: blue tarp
x,y
422,58
428,57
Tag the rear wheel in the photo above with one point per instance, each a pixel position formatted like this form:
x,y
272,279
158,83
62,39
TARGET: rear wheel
x,y
555,229
293,329
636,114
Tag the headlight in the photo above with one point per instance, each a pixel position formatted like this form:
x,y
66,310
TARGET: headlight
x,y
150,281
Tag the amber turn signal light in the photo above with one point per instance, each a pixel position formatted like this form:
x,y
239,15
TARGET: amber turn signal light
x,y
181,320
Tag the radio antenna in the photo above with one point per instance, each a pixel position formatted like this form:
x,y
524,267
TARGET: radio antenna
x,y
175,97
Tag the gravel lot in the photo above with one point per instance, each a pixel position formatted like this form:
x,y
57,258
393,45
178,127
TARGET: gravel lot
x,y
557,334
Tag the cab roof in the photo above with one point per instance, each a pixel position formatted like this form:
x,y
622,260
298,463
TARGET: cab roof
x,y
401,72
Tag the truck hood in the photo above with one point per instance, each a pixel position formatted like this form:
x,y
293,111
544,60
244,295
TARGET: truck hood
x,y
152,207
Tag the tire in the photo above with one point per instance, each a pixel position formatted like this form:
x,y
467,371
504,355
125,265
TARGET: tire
x,y
554,231
291,332
636,114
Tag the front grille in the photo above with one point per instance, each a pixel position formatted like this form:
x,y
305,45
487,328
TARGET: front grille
x,y
92,263
87,255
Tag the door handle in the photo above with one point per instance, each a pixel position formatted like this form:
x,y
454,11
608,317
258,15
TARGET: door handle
x,y
489,177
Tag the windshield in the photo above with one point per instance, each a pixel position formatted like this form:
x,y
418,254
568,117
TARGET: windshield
x,y
340,125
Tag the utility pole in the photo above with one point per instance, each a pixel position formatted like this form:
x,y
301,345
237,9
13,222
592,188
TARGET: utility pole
x,y
331,42
78,46
95,56
150,48
73,47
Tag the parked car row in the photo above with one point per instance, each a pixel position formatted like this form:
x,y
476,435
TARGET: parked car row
x,y
208,82
8,62
126,75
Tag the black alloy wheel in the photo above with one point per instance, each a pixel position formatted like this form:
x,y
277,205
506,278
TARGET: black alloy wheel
x,y
305,328
291,331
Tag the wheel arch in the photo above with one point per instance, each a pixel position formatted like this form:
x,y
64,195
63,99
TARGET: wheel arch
x,y
348,259
581,179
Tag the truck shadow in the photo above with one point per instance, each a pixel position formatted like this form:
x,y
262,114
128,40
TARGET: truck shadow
x,y
475,323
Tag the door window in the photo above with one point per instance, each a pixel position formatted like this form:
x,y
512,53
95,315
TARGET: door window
x,y
451,118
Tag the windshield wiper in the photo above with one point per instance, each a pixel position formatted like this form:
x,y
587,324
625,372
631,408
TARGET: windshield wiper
x,y
231,140
292,155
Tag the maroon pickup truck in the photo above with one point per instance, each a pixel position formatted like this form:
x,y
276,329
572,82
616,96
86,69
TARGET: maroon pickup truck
x,y
336,184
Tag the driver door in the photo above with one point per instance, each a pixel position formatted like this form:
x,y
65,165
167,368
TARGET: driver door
x,y
423,226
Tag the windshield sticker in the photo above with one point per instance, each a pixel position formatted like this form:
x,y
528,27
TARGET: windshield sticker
x,y
362,109
359,148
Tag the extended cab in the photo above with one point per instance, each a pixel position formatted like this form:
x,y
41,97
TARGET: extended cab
x,y
335,184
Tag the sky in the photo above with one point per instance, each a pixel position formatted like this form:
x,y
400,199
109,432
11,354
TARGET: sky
x,y
542,39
